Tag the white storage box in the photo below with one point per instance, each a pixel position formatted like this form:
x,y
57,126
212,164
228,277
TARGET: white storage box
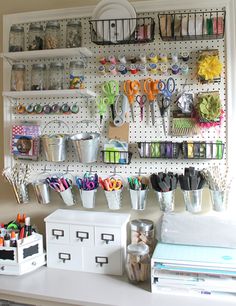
x,y
87,241
26,257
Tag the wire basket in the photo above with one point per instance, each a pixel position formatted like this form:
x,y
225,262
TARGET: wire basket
x,y
116,157
122,31
203,150
159,149
192,26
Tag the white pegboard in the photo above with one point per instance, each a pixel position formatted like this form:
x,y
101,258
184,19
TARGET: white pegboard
x,y
139,131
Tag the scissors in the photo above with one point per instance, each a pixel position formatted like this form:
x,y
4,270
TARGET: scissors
x,y
111,90
111,184
121,109
131,88
167,88
141,101
85,184
151,89
163,104
102,106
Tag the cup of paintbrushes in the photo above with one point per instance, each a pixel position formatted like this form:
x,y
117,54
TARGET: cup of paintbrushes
x,y
138,189
164,185
21,193
192,182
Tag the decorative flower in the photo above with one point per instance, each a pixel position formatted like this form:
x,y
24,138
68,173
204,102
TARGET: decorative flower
x,y
209,67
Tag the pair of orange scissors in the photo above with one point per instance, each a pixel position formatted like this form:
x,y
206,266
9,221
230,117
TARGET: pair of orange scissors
x,y
110,184
151,89
131,89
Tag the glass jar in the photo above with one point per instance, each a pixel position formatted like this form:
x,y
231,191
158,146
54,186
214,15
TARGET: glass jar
x,y
16,38
18,77
73,34
56,76
138,262
36,34
39,77
52,35
77,75
142,232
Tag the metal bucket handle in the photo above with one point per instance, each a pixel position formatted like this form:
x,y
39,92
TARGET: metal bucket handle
x,y
56,121
37,178
87,123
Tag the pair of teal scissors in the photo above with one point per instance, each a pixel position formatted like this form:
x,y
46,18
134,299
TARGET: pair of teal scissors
x,y
111,90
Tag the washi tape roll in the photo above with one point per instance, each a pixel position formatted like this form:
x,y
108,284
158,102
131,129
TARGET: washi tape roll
x,y
153,67
122,59
175,69
112,59
122,69
102,69
163,68
103,60
142,68
153,58
163,57
113,70
185,56
184,69
143,58
133,69
174,57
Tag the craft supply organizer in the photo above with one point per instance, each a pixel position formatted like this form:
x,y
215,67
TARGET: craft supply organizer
x,y
90,53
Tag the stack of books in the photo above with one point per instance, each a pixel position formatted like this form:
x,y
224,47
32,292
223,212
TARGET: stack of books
x,y
195,269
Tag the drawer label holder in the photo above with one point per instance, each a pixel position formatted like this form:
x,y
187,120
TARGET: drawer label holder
x,y
101,260
107,237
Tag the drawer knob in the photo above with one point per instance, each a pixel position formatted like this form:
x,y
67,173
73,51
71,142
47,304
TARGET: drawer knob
x,y
2,268
101,260
33,263
64,257
58,233
107,237
82,235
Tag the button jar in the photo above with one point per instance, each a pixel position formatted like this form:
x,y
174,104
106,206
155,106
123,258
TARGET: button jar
x,y
16,38
73,34
35,36
18,77
138,262
39,77
56,76
52,35
142,232
77,75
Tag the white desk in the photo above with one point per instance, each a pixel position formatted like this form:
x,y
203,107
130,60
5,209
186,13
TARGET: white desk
x,y
46,287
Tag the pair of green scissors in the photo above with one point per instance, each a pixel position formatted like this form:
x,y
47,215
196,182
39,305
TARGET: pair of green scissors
x,y
102,106
111,90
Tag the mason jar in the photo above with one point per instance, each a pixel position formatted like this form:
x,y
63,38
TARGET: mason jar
x,y
73,34
16,38
77,75
142,232
39,77
138,262
52,35
35,37
18,77
56,76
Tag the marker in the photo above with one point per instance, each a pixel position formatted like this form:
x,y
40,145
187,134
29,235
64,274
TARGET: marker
x,y
7,238
13,240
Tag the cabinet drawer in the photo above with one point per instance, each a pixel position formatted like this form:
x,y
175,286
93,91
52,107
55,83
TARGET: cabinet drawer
x,y
64,257
82,235
107,236
58,233
103,260
24,267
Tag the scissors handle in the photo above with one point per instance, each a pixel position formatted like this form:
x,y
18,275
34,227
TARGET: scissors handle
x,y
150,89
129,91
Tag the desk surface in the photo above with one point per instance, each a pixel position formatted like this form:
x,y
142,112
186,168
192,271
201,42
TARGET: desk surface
x,y
86,289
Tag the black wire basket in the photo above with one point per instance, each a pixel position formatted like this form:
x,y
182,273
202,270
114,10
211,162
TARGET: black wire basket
x,y
122,31
192,26
202,150
159,149
116,157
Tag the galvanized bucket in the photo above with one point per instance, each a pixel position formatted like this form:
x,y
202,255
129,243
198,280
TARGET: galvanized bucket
x,y
54,145
41,190
86,145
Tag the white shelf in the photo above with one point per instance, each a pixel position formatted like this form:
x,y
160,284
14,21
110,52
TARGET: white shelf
x,y
52,53
49,93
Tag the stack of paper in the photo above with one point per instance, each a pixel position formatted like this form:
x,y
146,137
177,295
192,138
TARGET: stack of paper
x,y
200,269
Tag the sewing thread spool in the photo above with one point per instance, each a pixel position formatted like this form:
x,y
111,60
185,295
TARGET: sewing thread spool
x,y
163,68
112,59
175,69
122,69
153,68
133,69
185,56
102,69
122,59
143,58
184,69
174,57
103,60
163,57
113,70
153,58
142,68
